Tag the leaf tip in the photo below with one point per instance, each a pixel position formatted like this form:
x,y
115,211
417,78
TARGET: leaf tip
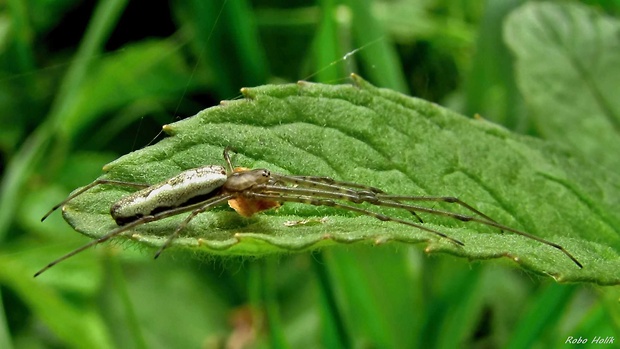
x,y
429,249
381,240
247,93
359,82
168,128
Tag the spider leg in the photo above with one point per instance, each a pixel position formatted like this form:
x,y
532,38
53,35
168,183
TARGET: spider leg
x,y
329,180
448,199
485,221
104,238
325,194
332,203
288,192
124,228
335,192
303,181
371,199
227,158
203,206
91,185
329,184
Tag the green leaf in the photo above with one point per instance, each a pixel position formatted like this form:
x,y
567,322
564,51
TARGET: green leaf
x,y
380,138
77,327
568,68
148,70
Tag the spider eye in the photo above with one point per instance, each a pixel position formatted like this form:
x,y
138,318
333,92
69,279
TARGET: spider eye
x,y
266,173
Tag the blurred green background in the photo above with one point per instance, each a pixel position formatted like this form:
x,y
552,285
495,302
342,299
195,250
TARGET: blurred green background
x,y
82,83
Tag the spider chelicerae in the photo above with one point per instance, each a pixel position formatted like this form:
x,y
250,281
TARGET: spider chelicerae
x,y
250,191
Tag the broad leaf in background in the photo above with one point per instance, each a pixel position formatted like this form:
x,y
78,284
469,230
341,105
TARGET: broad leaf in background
x,y
568,68
380,138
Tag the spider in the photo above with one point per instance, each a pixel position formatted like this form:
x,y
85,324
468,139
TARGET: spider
x,y
249,191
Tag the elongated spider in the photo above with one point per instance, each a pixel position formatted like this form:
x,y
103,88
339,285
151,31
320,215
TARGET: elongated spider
x,y
250,191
